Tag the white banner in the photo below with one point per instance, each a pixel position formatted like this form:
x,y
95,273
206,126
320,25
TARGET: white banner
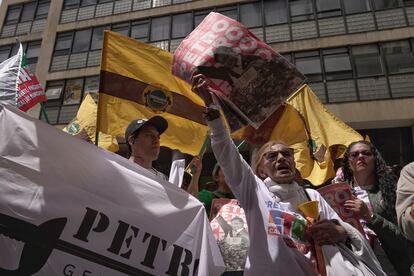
x,y
70,208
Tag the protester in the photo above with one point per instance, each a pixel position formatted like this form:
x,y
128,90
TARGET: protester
x,y
205,196
275,225
374,185
405,201
142,137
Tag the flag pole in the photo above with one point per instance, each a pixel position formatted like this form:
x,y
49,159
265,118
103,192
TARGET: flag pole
x,y
43,110
96,137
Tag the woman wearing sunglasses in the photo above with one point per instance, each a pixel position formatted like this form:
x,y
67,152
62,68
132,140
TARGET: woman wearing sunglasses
x,y
374,185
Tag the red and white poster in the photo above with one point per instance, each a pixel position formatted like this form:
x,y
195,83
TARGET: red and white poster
x,y
336,195
251,80
230,230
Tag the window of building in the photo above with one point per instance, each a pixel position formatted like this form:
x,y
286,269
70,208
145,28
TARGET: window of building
x,y
28,12
301,10
64,97
337,64
81,41
70,4
355,6
199,16
309,64
97,37
54,90
275,12
42,9
367,60
88,2
5,52
250,15
13,14
63,43
160,28
182,25
386,4
73,91
229,12
122,28
398,56
327,8
139,30
31,49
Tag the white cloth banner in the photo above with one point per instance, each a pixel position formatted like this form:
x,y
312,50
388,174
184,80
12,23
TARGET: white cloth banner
x,y
177,172
70,208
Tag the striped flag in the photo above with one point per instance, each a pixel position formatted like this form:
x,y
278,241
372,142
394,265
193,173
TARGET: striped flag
x,y
18,86
136,82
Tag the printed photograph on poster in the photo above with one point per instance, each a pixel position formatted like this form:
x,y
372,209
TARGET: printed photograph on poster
x,y
230,230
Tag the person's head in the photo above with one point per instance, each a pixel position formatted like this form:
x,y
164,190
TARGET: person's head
x,y
218,175
361,158
237,223
143,137
275,160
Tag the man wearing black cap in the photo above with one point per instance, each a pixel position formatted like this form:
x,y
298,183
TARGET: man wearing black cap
x,y
142,137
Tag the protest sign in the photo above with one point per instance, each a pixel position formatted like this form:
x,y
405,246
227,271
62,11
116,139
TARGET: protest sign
x,y
250,79
336,194
70,208
230,230
18,86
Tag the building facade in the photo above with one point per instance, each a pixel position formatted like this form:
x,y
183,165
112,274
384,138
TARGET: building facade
x,y
358,55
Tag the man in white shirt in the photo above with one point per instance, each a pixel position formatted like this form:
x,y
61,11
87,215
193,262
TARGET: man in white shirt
x,y
269,196
142,137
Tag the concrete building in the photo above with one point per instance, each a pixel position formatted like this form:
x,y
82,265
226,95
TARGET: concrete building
x,y
357,54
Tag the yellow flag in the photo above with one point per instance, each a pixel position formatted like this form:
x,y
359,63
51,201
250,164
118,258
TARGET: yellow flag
x,y
136,82
317,136
84,125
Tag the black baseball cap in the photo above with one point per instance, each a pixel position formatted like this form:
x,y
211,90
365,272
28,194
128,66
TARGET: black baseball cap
x,y
134,126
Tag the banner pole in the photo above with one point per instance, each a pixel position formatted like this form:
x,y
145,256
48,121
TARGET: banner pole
x,y
43,110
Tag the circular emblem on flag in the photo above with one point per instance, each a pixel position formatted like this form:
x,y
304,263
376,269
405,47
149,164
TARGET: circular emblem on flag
x,y
73,128
157,97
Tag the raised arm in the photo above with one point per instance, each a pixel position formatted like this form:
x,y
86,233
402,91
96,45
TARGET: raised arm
x,y
237,172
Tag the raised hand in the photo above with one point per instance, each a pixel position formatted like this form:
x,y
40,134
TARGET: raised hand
x,y
200,86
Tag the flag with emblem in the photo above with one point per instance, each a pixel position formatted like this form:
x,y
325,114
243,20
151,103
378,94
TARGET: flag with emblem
x,y
18,86
84,126
136,82
317,136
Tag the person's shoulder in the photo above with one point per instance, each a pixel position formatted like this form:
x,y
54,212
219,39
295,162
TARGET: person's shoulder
x,y
313,193
408,169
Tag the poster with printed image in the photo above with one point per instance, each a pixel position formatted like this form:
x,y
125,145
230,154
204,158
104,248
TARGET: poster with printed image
x,y
230,230
336,195
251,79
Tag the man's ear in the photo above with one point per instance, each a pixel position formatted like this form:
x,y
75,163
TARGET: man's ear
x,y
131,140
261,173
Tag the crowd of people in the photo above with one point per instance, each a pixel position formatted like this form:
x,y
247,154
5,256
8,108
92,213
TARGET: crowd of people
x,y
273,188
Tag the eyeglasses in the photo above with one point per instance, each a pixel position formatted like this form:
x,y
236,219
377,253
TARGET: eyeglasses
x,y
355,154
273,155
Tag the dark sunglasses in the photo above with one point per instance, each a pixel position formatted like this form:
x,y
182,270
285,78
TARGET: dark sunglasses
x,y
272,155
364,153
